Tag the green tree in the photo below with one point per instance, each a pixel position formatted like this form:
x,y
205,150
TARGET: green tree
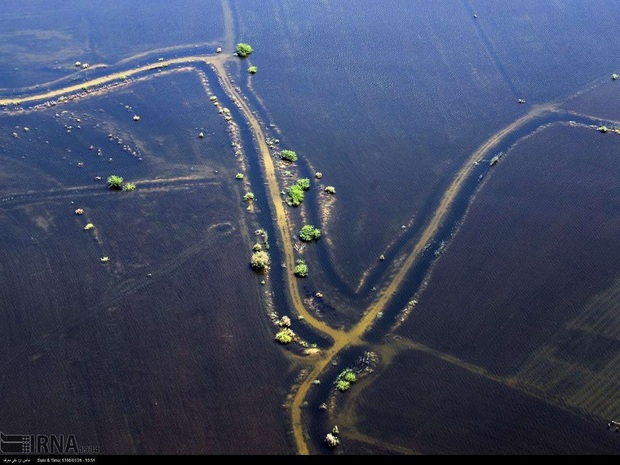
x,y
295,196
304,183
260,260
252,69
309,232
301,269
244,50
343,385
115,182
288,155
285,336
344,379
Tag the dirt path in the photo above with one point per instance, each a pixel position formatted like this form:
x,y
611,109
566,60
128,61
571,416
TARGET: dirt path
x,y
441,212
353,337
341,339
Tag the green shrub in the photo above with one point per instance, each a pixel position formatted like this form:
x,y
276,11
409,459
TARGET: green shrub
x,y
304,183
295,195
115,182
244,50
285,336
260,260
288,155
345,378
309,232
301,269
343,385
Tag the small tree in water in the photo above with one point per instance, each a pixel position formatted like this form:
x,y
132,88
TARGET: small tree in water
x,y
309,232
288,155
115,182
244,50
260,260
301,269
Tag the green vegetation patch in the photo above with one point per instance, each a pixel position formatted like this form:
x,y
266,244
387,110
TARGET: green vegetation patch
x,y
288,155
244,50
344,379
295,195
296,192
301,269
118,183
304,183
115,182
260,260
285,336
309,233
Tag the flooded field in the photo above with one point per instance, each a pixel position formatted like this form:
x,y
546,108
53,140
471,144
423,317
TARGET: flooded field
x,y
524,298
147,352
461,166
